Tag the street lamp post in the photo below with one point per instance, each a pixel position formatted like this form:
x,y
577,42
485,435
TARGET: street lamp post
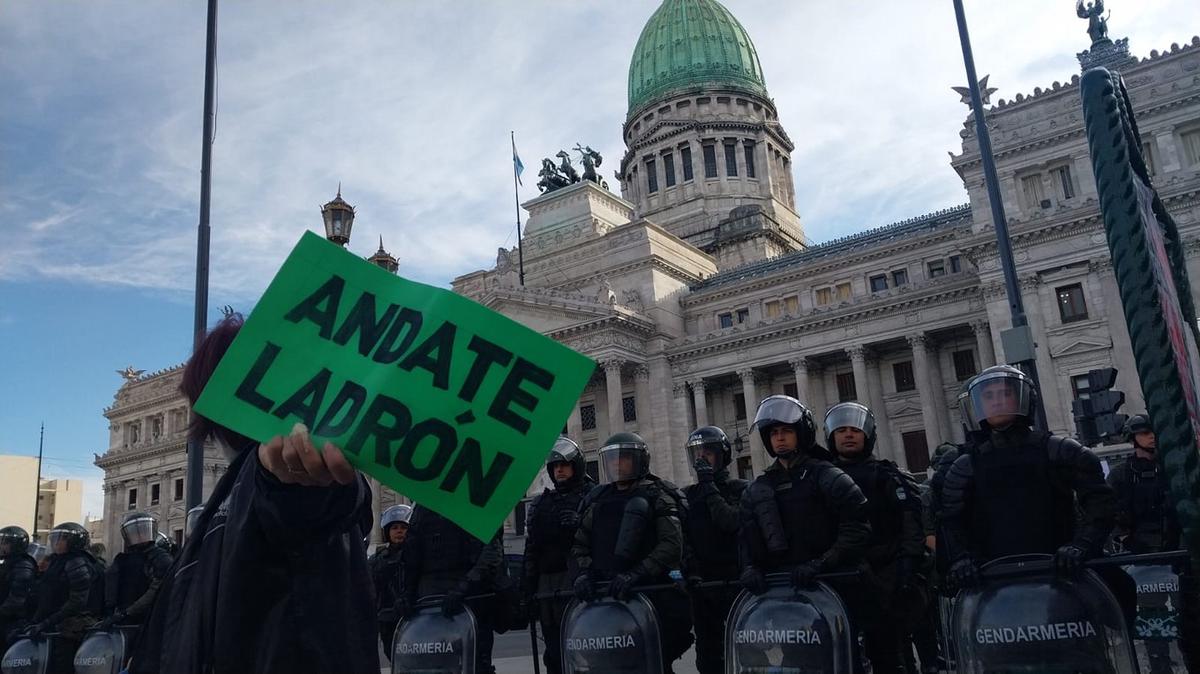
x,y
1019,348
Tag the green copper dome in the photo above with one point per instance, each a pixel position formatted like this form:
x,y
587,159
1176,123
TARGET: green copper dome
x,y
692,43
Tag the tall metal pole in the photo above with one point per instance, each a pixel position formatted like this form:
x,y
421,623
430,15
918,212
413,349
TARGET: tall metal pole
x,y
1003,245
195,448
37,492
517,198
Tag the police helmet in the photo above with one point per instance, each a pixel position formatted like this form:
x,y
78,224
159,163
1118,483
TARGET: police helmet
x,y
712,439
779,410
566,451
164,541
139,528
1000,390
850,415
397,514
944,449
624,456
964,408
1138,423
16,538
38,551
73,533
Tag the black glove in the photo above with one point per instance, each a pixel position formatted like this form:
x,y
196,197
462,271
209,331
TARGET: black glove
x,y
704,472
403,608
622,585
1068,560
585,588
452,602
804,576
692,582
35,630
568,519
753,580
964,573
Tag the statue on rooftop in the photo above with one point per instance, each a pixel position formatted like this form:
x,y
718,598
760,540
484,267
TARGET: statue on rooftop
x,y
1097,24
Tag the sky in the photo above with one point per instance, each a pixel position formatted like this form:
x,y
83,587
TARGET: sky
x,y
408,105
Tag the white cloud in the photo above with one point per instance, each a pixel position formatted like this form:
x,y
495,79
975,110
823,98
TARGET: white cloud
x,y
409,106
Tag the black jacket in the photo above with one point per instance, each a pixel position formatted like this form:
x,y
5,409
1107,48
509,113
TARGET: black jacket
x,y
1145,515
18,574
273,579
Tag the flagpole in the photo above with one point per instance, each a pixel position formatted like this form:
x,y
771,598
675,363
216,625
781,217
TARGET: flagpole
x,y
517,199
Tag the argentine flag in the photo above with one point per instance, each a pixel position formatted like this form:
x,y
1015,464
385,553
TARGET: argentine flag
x,y
518,167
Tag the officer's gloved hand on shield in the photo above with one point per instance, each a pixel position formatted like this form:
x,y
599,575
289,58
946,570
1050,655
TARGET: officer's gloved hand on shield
x,y
804,576
452,602
622,585
585,586
964,573
754,580
1068,560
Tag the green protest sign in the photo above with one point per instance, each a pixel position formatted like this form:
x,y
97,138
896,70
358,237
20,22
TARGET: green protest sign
x,y
441,399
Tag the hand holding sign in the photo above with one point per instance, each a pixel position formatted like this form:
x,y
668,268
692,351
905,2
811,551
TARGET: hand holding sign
x,y
292,459
439,398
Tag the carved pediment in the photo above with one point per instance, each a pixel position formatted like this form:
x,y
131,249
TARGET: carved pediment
x,y
1081,345
902,408
544,311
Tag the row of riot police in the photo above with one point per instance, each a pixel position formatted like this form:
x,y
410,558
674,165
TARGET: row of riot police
x,y
71,590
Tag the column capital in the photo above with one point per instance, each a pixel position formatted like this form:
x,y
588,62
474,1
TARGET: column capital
x,y
858,352
799,365
641,372
697,384
917,340
679,389
746,374
981,325
611,364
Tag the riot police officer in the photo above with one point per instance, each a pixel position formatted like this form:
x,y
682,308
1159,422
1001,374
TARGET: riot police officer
x,y
70,594
1017,491
18,573
896,552
712,515
549,533
387,568
132,581
803,515
629,535
1145,521
441,558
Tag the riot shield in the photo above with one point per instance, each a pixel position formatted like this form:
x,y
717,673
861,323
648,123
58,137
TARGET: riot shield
x,y
1022,619
789,631
102,651
431,643
27,656
1156,631
611,636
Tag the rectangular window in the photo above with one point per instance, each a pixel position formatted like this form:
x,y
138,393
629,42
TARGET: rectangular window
x,y
899,278
587,417
791,390
177,493
1031,188
846,388
955,264
743,315
772,309
745,468
685,158
629,408
964,365
730,158
903,372
593,470
1148,156
1064,182
725,320
1080,387
132,499
937,268
879,283
842,292
739,406
651,176
668,169
1071,305
748,145
710,160
791,305
1191,146
916,451
154,494
824,296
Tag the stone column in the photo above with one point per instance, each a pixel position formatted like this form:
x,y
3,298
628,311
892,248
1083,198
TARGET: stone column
x,y
701,404
612,380
939,392
921,372
679,459
575,424
750,392
858,361
816,387
641,400
885,448
983,343
800,368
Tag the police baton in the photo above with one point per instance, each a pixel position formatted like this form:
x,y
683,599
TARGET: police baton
x,y
1025,567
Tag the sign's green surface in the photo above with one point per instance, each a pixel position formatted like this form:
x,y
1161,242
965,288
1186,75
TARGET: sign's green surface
x,y
441,399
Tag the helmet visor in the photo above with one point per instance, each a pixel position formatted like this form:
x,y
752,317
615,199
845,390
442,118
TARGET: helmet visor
x,y
619,463
999,399
397,513
38,552
139,530
563,450
57,535
713,453
777,410
849,416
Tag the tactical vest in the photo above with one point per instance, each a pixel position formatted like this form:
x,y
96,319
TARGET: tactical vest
x,y
386,567
1020,506
447,548
554,540
609,512
879,485
55,587
716,558
132,578
810,523
1147,492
